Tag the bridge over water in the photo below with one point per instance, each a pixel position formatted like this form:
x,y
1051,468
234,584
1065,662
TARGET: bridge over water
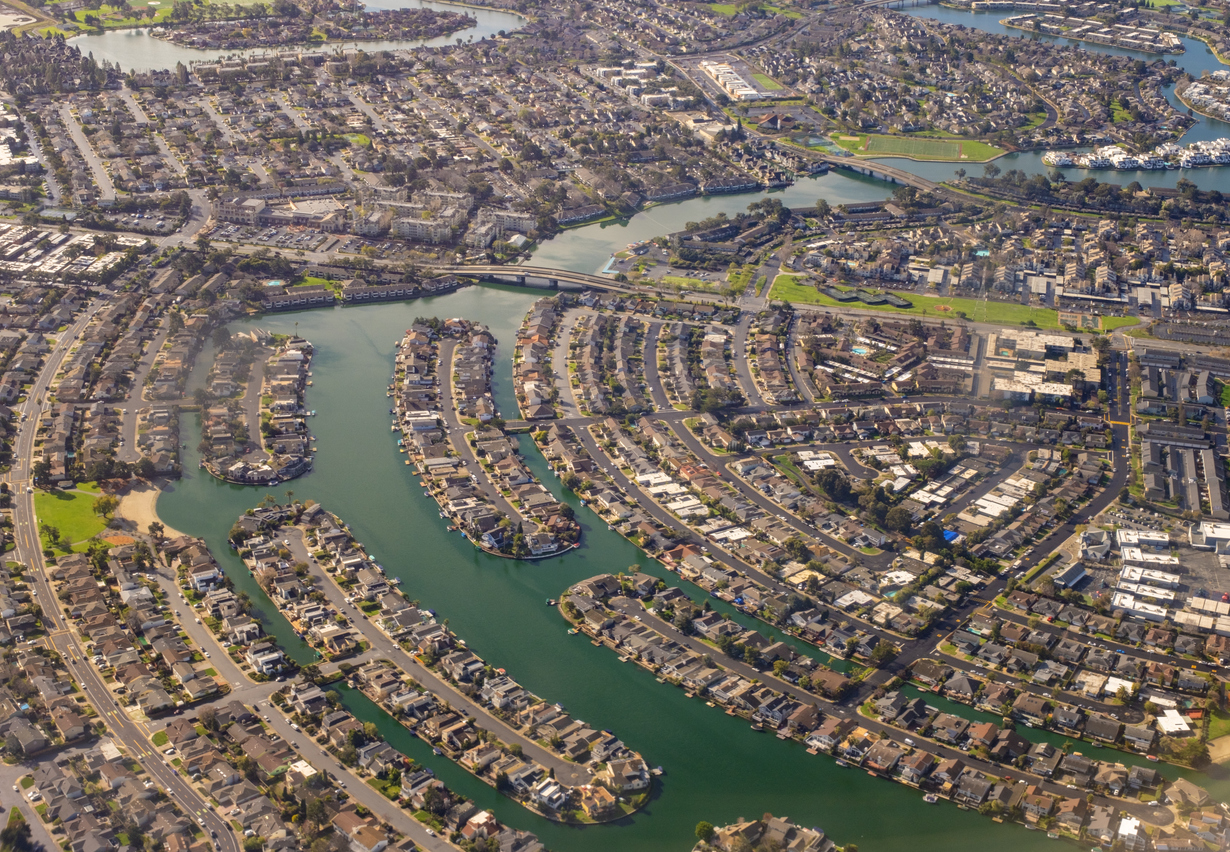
x,y
540,275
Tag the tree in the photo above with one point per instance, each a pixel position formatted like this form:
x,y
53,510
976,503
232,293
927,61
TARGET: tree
x,y
156,529
16,837
899,519
106,505
883,653
704,831
316,812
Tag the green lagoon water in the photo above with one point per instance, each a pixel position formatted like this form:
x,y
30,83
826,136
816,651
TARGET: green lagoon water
x,y
716,768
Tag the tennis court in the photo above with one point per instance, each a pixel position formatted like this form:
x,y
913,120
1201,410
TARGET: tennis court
x,y
914,147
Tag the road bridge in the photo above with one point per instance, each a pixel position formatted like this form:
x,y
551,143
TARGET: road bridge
x,y
552,278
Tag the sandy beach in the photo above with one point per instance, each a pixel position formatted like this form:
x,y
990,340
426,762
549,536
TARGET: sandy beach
x,y
138,506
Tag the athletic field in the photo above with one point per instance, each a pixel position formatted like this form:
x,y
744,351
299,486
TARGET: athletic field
x,y
929,149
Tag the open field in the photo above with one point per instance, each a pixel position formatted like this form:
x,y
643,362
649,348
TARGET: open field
x,y
789,289
768,82
932,149
71,512
917,147
729,10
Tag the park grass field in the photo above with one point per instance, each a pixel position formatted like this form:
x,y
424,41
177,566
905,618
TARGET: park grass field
x,y
789,288
917,147
71,512
729,10
930,149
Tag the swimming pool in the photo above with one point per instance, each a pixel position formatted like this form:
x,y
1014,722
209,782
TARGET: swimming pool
x,y
859,350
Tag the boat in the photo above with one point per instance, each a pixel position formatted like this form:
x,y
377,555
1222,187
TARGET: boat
x,y
657,772
757,727
966,808
842,763
551,601
436,751
1053,835
1151,757
931,799
1029,827
573,632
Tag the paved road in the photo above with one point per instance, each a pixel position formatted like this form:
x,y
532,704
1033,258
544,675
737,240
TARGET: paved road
x,y
53,186
457,432
802,384
106,189
63,639
133,403
653,378
742,366
559,364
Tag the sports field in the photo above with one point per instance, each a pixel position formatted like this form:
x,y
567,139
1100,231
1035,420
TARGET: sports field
x,y
914,147
767,82
917,147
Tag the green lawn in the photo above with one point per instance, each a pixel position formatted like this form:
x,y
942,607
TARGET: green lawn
x,y
1118,114
740,276
389,791
917,147
768,82
161,738
70,512
1111,323
110,17
1219,724
1035,120
360,139
729,10
1225,394
27,782
682,281
789,289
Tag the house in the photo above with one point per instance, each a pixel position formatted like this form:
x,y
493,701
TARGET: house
x,y
1030,708
363,836
266,658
